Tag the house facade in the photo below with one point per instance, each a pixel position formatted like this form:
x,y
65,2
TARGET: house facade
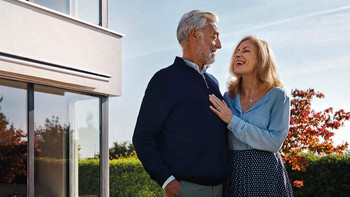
x,y
59,64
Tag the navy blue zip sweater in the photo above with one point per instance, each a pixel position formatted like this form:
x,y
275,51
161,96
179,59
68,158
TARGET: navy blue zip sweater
x,y
176,132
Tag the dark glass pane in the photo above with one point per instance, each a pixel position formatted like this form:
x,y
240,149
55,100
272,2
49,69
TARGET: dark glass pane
x,y
13,138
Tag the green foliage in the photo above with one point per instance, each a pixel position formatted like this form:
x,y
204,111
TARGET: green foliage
x,y
121,150
126,178
325,176
89,177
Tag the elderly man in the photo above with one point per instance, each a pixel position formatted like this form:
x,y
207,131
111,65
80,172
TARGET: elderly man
x,y
179,140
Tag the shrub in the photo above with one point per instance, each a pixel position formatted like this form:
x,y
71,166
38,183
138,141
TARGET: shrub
x,y
128,178
89,177
325,176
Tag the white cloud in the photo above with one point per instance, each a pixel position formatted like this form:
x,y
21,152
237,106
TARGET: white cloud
x,y
288,20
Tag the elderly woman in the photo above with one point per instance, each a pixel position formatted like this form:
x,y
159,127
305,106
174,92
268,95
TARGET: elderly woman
x,y
257,114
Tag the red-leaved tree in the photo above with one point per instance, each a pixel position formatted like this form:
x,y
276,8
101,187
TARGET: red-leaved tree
x,y
13,151
311,131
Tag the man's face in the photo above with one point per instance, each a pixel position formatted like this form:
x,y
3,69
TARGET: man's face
x,y
209,43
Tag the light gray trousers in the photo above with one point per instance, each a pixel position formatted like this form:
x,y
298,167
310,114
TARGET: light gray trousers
x,y
188,189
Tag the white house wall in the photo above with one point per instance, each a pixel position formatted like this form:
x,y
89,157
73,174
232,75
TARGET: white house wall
x,y
42,46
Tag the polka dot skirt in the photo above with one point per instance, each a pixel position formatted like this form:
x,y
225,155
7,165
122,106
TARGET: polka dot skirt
x,y
256,173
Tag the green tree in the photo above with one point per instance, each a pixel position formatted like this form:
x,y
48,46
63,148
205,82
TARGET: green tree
x,y
121,150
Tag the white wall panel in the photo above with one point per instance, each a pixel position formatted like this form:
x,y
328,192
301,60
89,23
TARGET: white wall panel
x,y
37,33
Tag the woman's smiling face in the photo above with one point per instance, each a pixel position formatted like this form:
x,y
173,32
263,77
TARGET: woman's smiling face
x,y
245,58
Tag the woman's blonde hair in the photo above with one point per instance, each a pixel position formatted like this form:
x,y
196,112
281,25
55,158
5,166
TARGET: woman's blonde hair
x,y
267,72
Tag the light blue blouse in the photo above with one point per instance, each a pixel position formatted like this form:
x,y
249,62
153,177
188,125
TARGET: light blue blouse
x,y
264,126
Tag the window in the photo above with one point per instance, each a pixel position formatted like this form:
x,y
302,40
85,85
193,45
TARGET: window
x,y
58,5
67,132
84,10
13,138
65,129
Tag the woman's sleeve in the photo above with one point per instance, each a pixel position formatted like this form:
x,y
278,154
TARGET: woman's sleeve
x,y
270,139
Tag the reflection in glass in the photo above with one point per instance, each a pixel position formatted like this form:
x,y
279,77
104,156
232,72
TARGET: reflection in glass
x,y
84,10
67,129
88,11
13,138
58,5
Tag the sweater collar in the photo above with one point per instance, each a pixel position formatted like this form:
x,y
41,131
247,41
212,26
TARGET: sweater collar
x,y
195,66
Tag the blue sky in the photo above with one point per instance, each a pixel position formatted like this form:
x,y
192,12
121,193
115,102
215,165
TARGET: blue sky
x,y
310,39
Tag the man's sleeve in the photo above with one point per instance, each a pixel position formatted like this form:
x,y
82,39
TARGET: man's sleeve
x,y
154,109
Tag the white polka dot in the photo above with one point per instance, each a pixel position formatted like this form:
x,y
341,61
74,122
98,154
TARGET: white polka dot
x,y
256,173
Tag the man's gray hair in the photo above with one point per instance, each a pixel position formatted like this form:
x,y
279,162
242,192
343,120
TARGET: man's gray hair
x,y
195,19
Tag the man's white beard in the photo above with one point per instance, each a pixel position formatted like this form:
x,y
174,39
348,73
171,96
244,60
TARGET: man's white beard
x,y
201,52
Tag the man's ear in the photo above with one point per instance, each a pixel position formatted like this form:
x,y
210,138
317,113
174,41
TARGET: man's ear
x,y
193,35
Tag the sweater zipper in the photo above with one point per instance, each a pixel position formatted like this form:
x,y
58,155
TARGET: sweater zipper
x,y
205,81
